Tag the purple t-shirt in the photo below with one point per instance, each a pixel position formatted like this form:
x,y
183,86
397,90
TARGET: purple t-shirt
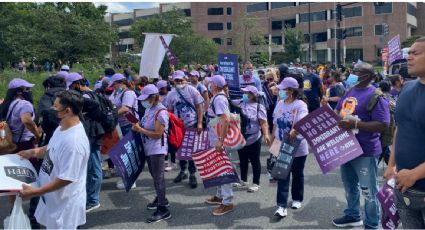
x,y
359,98
163,100
394,93
129,99
221,106
15,123
184,111
200,87
253,130
150,145
284,116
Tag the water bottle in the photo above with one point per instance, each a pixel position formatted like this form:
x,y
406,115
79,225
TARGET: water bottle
x,y
2,130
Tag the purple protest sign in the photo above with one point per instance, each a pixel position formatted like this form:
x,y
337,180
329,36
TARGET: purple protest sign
x,y
170,55
394,50
390,216
332,146
192,143
129,158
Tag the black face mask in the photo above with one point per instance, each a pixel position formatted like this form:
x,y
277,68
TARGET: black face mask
x,y
27,96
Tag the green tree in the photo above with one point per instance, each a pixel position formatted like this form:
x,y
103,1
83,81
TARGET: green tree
x,y
293,43
248,37
408,42
69,32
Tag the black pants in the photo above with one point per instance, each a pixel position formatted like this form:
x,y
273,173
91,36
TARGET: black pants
x,y
251,153
156,169
297,189
270,117
171,154
183,166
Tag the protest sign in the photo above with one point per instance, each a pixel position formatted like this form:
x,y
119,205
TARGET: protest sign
x,y
153,53
214,168
192,143
394,50
331,145
129,158
390,217
14,172
283,162
172,59
228,67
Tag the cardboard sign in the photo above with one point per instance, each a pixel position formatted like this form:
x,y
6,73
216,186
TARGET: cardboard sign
x,y
192,143
228,67
128,157
14,172
394,50
331,145
214,168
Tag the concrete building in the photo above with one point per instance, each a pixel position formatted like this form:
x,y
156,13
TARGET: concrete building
x,y
363,23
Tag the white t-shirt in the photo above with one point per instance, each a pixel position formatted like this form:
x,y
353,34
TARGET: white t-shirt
x,y
66,159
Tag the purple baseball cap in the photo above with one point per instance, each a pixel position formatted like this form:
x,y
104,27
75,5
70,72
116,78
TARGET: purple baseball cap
x,y
178,75
116,77
63,74
161,84
194,73
147,91
218,80
72,77
288,82
18,82
98,85
250,89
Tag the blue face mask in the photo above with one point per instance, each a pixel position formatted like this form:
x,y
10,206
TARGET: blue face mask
x,y
245,98
146,104
282,94
209,88
305,72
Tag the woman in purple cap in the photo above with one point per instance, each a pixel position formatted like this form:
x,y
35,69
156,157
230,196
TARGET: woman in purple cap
x,y
289,110
18,111
257,124
152,128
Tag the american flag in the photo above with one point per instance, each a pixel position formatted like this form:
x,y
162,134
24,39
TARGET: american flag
x,y
211,164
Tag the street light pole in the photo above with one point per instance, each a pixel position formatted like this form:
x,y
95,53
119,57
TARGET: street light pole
x,y
338,34
310,48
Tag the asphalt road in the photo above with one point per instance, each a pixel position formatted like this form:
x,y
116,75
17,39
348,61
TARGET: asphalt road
x,y
324,200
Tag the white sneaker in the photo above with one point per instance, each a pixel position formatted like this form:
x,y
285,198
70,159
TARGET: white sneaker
x,y
121,186
242,185
296,204
254,188
281,212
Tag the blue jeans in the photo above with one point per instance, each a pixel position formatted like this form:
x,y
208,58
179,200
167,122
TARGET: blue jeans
x,y
297,189
94,175
360,175
225,191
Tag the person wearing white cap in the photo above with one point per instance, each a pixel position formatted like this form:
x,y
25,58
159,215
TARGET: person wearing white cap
x,y
194,79
125,100
289,110
17,110
186,103
65,68
219,107
257,124
152,127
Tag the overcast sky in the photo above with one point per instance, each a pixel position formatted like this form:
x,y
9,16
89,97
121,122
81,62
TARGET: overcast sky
x,y
121,7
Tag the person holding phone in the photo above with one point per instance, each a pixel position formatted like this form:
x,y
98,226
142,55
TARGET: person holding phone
x,y
153,128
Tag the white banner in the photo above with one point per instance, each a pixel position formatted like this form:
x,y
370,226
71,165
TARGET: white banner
x,y
14,172
153,54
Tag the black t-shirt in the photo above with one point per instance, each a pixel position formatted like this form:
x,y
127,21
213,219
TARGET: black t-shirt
x,y
336,91
409,116
312,84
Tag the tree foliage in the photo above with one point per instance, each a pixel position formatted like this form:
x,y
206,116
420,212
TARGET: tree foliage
x,y
189,47
67,31
408,42
294,39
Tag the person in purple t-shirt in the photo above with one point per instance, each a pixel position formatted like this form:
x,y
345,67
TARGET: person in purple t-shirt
x,y
397,82
362,170
257,124
194,79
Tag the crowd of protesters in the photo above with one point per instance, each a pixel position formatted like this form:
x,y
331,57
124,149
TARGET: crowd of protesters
x,y
64,136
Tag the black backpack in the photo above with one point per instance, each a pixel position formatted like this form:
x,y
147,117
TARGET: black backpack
x,y
109,113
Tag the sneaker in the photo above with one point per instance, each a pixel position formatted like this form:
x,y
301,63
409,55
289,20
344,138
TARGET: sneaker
x,y
180,177
242,185
121,186
160,214
192,181
154,204
214,200
254,188
281,212
91,207
296,204
347,221
222,209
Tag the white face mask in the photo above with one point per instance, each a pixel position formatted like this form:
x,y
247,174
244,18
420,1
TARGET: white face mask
x,y
181,86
